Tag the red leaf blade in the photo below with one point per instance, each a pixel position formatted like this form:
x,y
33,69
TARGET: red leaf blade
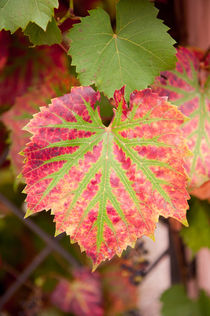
x,y
107,186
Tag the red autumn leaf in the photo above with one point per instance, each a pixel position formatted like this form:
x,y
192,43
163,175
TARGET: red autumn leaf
x,y
25,67
3,143
81,296
106,186
203,192
187,88
56,83
4,44
119,292
81,8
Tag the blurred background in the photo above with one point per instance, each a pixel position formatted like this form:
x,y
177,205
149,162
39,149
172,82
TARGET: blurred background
x,y
46,276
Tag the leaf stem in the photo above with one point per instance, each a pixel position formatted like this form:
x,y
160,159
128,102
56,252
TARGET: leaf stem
x,y
63,48
71,6
69,14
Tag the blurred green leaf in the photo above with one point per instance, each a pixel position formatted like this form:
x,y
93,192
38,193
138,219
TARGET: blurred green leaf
x,y
204,304
38,36
16,13
176,303
52,312
197,235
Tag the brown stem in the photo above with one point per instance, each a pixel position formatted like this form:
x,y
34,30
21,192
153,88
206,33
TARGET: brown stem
x,y
63,48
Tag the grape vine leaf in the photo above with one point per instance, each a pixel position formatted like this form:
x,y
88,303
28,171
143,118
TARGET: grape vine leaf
x,y
134,54
26,67
121,295
106,186
57,83
38,36
199,219
175,302
183,87
16,14
81,296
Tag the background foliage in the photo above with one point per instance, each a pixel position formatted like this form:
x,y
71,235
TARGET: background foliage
x,y
46,48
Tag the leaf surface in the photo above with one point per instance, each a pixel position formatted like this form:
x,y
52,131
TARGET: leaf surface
x,y
57,82
16,13
187,87
203,192
81,296
199,219
121,295
106,186
138,50
26,67
4,44
38,36
175,302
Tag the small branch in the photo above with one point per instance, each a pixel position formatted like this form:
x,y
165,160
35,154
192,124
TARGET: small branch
x,y
156,262
71,6
64,18
69,14
63,48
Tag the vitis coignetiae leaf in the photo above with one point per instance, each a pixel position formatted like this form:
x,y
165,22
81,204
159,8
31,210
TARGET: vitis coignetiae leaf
x,y
81,296
134,53
16,14
106,186
56,83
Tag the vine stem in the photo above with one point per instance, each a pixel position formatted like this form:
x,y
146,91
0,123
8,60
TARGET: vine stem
x,y
71,6
157,261
63,48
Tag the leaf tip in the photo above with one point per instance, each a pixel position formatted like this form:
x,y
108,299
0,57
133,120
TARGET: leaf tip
x,y
57,232
28,213
185,222
25,128
152,236
94,267
21,153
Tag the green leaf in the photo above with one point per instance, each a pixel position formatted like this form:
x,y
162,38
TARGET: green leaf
x,y
197,235
38,36
176,303
132,56
204,304
18,13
